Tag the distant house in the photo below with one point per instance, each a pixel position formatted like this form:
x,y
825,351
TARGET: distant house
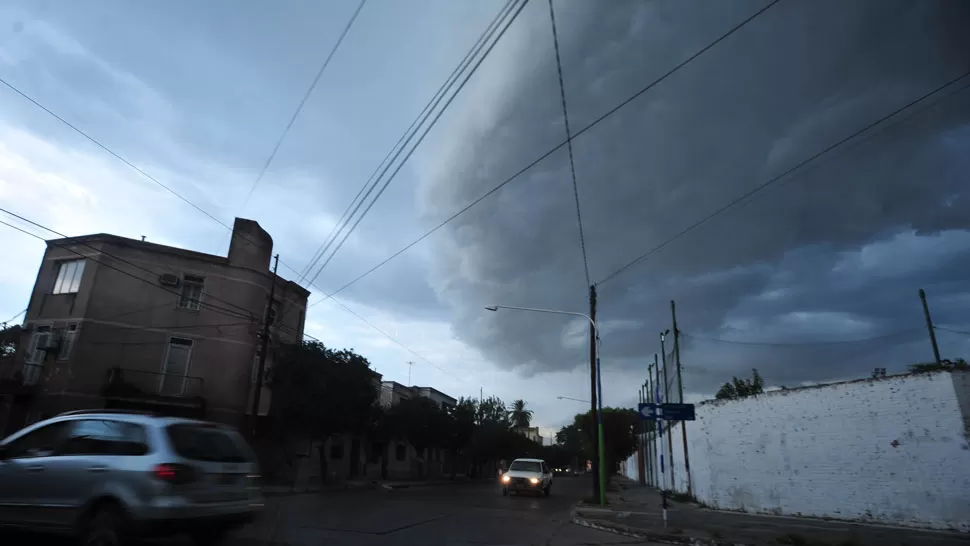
x,y
531,433
122,323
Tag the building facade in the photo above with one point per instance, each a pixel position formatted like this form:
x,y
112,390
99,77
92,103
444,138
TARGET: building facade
x,y
122,323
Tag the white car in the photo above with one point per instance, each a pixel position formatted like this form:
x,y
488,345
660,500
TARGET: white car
x,y
531,475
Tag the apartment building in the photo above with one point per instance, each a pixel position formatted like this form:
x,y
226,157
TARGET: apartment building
x,y
122,323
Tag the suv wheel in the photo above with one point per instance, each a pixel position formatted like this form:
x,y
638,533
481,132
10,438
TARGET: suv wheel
x,y
105,527
546,490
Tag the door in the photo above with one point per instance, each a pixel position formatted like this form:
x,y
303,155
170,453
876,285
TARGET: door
x,y
24,480
96,454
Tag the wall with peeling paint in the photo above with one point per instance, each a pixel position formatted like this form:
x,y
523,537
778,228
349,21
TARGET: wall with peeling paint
x,y
889,450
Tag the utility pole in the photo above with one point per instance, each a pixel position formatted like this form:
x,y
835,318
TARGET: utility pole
x,y
666,399
592,390
680,385
660,442
641,456
264,343
410,365
929,326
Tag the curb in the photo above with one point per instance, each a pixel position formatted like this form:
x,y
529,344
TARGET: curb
x,y
632,532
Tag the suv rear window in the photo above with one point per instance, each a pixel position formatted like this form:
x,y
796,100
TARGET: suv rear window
x,y
202,443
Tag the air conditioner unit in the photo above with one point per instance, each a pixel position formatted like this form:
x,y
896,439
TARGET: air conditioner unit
x,y
169,279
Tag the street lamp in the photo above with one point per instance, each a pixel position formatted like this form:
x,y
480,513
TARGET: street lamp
x,y
575,399
601,451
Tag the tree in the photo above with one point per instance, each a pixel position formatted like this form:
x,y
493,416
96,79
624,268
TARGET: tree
x,y
944,366
520,416
9,340
619,440
319,392
741,388
461,428
421,422
491,411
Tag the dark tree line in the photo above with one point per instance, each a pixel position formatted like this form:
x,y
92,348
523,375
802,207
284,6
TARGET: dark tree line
x,y
319,392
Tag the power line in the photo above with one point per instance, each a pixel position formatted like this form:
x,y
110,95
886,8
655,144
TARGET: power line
x,y
802,343
371,181
306,96
401,164
97,143
130,164
11,319
551,151
775,179
390,337
569,140
944,328
211,307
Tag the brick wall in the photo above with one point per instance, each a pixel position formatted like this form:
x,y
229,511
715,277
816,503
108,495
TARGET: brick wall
x,y
891,450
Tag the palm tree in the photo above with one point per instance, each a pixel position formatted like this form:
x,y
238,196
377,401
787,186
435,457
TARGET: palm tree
x,y
520,416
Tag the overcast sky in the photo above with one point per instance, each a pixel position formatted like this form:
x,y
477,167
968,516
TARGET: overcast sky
x,y
197,94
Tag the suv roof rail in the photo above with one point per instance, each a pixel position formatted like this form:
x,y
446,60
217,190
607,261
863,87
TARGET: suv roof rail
x,y
91,411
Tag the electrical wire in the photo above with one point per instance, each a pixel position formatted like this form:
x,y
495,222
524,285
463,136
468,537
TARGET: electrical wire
x,y
11,319
401,143
551,151
802,343
402,345
401,164
747,195
211,307
951,330
306,97
137,169
569,140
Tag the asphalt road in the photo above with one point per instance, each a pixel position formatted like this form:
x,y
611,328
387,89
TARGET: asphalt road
x,y
452,515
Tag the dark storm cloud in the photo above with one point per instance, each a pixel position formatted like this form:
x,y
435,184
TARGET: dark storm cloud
x,y
794,81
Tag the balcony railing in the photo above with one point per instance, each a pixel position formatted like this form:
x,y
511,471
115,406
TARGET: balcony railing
x,y
128,383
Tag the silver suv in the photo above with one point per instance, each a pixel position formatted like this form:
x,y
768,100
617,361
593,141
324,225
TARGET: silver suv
x,y
108,476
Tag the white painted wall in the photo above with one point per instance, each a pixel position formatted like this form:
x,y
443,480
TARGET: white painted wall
x,y
891,450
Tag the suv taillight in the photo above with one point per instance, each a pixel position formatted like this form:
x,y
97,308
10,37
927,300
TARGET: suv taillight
x,y
176,474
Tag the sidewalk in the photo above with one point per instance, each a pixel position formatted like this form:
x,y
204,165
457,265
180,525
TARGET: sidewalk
x,y
636,511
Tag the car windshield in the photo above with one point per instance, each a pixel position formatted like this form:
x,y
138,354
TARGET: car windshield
x,y
526,466
202,443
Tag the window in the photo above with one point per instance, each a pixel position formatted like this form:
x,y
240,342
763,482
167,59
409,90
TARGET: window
x,y
255,374
376,451
67,341
40,339
105,437
42,442
336,451
208,443
68,278
191,295
526,466
175,367
400,452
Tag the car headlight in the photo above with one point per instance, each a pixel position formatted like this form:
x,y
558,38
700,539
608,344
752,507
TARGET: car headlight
x,y
533,481
506,479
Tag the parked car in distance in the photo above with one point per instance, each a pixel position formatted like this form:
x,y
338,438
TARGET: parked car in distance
x,y
527,475
108,476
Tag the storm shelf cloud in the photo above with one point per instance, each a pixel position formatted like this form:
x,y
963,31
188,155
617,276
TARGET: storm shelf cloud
x,y
835,251
812,278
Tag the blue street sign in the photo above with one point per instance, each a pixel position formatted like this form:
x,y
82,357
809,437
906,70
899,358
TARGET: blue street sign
x,y
677,412
648,411
667,412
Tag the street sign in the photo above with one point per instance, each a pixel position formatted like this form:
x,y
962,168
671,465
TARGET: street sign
x,y
667,412
677,412
648,411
